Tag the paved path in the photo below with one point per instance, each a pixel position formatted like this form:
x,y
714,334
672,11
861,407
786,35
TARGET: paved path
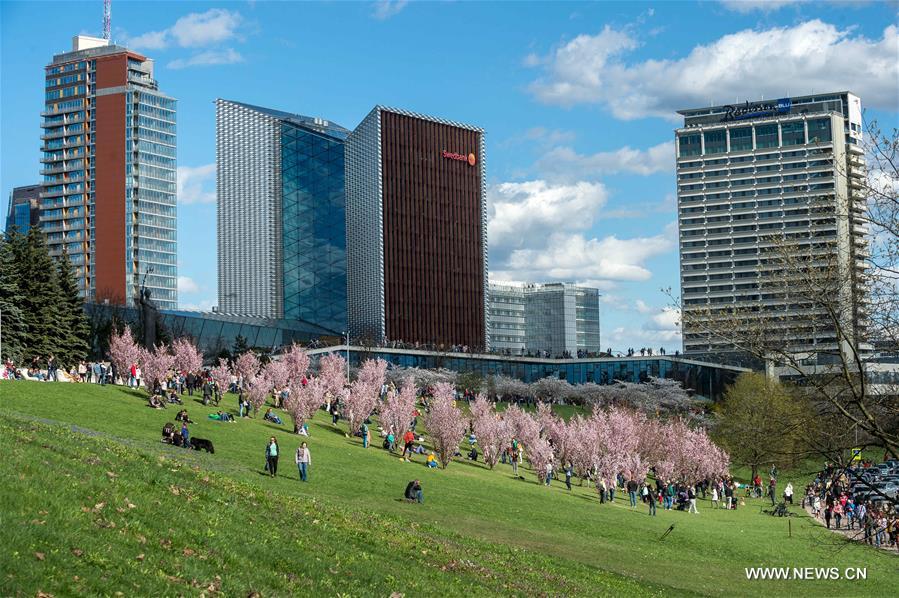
x,y
851,534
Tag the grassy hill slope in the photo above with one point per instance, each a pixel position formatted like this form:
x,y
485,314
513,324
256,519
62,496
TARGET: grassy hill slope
x,y
345,531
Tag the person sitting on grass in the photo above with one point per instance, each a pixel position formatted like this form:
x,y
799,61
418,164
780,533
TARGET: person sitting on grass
x,y
168,433
472,454
272,416
185,435
156,402
173,398
413,492
432,460
183,417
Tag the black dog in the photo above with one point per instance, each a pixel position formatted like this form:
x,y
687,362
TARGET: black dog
x,y
199,444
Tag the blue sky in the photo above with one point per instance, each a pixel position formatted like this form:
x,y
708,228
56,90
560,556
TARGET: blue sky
x,y
577,99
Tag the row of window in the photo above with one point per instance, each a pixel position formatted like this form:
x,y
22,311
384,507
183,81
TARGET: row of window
x,y
750,138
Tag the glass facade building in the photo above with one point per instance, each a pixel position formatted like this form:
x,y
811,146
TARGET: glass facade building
x,y
758,176
557,318
281,215
109,172
23,210
705,379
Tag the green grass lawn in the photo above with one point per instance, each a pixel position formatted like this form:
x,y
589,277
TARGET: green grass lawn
x,y
198,516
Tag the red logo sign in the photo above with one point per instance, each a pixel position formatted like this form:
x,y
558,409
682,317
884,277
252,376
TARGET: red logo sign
x,y
470,158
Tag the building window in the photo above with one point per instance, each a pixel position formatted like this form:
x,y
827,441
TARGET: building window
x,y
793,133
715,142
765,136
741,139
690,145
819,131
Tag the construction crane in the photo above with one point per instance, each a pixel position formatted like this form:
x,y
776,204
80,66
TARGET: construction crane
x,y
107,18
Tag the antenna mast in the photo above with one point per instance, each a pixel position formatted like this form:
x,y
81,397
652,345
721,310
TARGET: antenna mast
x,y
107,18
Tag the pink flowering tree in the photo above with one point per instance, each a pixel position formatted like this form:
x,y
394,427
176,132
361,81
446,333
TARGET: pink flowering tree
x,y
247,366
187,357
397,409
332,370
582,445
364,393
123,352
156,366
278,374
445,422
304,400
493,432
257,390
221,376
296,364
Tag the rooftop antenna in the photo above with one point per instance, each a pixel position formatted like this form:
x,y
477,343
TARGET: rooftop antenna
x,y
107,18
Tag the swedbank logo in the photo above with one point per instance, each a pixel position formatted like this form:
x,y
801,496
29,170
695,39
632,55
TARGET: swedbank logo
x,y
470,158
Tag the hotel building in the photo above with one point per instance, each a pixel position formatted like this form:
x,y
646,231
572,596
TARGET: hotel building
x,y
109,172
752,180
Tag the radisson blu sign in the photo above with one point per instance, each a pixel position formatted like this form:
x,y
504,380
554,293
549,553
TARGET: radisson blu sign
x,y
747,110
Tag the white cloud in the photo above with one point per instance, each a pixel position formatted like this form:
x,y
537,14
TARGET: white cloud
x,y
193,184
194,30
641,307
522,214
573,257
186,284
565,163
207,58
384,9
809,57
747,6
663,326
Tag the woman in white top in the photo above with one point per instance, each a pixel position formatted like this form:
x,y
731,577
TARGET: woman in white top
x,y
303,460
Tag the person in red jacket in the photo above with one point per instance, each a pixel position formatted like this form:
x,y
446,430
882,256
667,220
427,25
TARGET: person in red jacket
x,y
408,439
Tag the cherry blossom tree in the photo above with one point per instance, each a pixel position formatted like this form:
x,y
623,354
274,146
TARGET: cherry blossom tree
x,y
278,374
123,351
221,376
258,389
296,363
397,409
247,366
493,432
332,370
364,393
155,366
303,401
187,357
583,445
445,422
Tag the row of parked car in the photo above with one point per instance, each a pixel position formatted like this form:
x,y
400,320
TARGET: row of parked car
x,y
878,483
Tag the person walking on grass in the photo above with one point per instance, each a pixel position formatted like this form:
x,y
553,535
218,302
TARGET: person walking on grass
x,y
691,494
408,442
271,456
365,435
304,460
568,472
632,487
715,496
653,497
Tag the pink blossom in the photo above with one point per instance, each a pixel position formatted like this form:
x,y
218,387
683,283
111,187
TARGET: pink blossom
x,y
296,363
221,376
247,366
123,351
444,421
278,374
257,391
364,393
187,357
303,401
493,433
397,409
332,371
155,366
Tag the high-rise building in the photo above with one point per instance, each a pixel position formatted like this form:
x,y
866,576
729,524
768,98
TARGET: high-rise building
x,y
281,218
109,168
23,211
758,178
557,318
416,230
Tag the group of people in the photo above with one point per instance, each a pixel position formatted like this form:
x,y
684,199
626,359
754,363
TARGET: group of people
x,y
830,500
302,458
